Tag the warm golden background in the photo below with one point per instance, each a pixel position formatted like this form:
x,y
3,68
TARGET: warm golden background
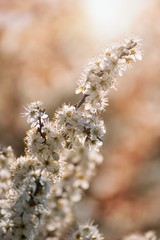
x,y
43,47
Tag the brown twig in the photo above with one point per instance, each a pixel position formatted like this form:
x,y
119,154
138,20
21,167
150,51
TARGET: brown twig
x,y
81,102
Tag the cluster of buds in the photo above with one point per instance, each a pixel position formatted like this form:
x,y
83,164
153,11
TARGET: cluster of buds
x,y
61,156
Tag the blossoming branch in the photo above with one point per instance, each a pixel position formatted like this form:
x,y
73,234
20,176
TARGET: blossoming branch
x,y
41,188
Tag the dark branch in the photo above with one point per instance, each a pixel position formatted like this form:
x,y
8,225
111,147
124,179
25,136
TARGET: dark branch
x,y
81,102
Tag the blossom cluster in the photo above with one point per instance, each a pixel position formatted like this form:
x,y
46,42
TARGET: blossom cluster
x,y
31,176
43,140
100,75
80,128
21,212
80,169
61,156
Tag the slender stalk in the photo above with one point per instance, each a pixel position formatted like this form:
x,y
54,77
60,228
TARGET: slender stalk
x,y
77,106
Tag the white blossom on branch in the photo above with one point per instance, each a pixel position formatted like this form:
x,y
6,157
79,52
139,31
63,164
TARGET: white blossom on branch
x,y
61,156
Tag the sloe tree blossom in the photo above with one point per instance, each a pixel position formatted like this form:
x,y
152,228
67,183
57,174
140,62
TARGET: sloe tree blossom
x,y
41,188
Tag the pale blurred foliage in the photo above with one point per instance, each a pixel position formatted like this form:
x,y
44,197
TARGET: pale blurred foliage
x,y
41,52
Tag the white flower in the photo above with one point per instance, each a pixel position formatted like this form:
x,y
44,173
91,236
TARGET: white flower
x,y
67,115
87,231
35,114
96,101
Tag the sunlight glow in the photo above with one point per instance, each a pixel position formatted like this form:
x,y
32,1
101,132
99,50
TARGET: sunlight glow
x,y
110,18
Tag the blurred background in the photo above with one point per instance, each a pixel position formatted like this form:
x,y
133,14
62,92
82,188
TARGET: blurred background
x,y
43,47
